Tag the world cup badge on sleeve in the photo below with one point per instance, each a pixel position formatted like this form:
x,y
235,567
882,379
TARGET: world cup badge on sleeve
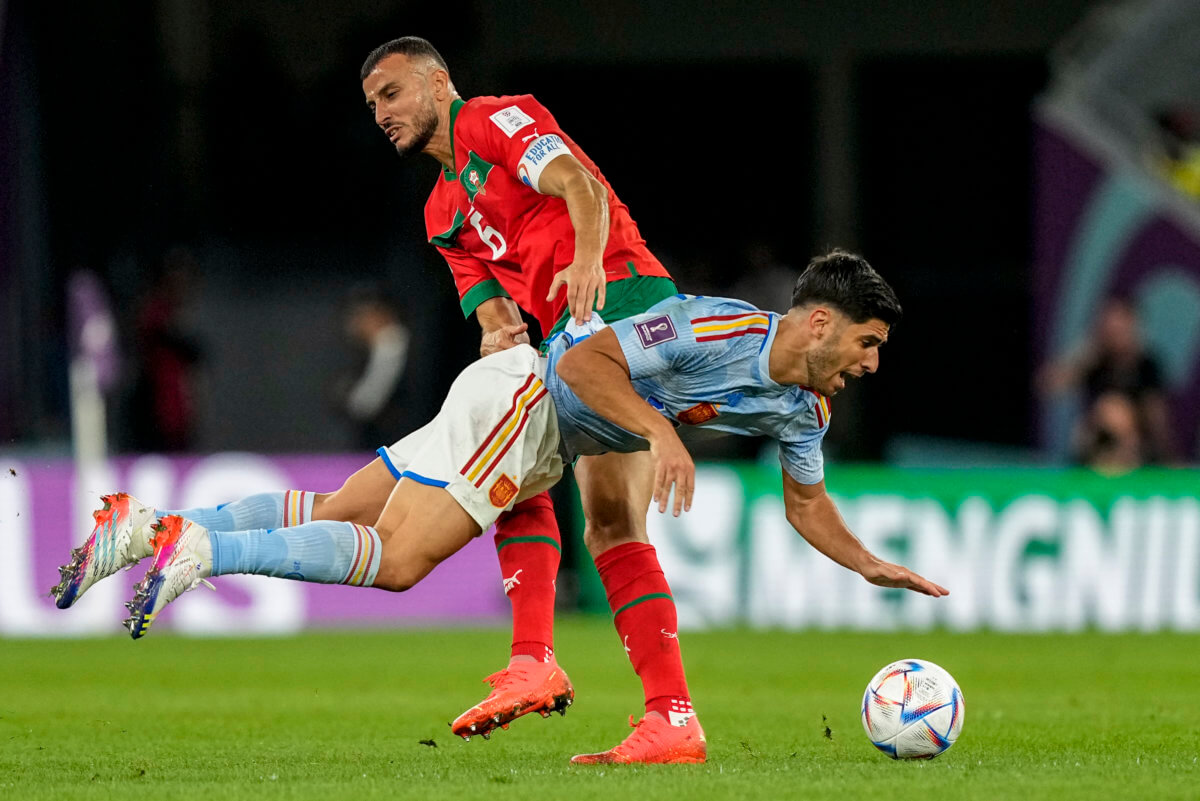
x,y
655,331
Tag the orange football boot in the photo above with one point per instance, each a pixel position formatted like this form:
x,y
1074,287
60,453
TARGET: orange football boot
x,y
519,689
654,741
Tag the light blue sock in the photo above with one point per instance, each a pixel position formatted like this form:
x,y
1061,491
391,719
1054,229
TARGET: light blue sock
x,y
324,552
265,510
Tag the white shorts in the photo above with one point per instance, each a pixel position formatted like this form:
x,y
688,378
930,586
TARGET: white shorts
x,y
495,441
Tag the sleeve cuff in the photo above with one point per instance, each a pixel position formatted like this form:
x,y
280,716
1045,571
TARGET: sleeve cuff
x,y
485,290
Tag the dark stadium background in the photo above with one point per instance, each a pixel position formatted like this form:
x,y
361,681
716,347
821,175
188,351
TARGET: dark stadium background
x,y
238,130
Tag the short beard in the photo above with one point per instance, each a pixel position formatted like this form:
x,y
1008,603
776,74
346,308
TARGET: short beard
x,y
425,127
820,364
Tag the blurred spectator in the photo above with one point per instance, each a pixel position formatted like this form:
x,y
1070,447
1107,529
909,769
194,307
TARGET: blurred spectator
x,y
1125,421
1178,158
1109,438
162,409
764,279
372,398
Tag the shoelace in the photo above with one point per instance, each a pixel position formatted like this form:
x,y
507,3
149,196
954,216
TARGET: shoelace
x,y
198,582
502,678
641,733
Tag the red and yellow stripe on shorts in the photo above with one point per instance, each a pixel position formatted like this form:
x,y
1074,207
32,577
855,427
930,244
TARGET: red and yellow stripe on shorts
x,y
506,432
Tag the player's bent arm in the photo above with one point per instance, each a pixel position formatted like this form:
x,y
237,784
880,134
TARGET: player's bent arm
x,y
587,206
597,372
814,515
500,319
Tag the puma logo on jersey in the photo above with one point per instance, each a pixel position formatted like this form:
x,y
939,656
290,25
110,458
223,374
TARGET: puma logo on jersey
x,y
627,645
670,635
525,139
509,583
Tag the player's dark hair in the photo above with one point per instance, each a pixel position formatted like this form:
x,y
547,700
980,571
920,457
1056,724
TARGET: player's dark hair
x,y
845,281
411,46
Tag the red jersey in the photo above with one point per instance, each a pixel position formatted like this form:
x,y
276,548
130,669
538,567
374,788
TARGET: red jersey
x,y
497,232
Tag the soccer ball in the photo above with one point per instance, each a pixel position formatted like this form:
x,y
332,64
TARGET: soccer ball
x,y
912,709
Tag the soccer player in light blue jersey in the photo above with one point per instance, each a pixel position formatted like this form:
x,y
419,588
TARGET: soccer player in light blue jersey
x,y
688,367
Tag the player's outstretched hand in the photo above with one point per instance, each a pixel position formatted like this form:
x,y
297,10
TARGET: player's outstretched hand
x,y
503,338
673,466
886,574
585,283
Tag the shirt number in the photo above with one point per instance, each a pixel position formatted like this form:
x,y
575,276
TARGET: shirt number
x,y
489,235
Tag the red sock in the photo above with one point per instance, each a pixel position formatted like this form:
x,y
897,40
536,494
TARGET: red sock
x,y
644,614
529,549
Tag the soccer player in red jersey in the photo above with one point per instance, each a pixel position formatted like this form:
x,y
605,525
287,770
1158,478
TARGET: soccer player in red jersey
x,y
519,213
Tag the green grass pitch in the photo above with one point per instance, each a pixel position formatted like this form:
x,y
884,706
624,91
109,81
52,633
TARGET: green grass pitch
x,y
343,715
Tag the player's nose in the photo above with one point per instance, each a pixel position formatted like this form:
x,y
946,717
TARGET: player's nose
x,y
871,363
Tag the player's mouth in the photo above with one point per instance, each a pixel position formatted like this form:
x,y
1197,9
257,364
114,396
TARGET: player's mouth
x,y
393,133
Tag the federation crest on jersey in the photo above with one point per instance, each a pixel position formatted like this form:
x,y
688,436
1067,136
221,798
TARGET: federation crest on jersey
x,y
474,175
475,182
503,490
655,331
700,413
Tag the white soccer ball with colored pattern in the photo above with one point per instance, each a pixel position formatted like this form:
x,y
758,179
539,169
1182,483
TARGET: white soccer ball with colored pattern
x,y
913,709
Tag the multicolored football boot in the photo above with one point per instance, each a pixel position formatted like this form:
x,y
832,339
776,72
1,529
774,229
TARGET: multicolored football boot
x,y
182,562
654,741
519,689
120,539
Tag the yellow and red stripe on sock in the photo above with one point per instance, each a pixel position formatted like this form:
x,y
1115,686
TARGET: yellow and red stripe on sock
x,y
728,326
365,546
293,508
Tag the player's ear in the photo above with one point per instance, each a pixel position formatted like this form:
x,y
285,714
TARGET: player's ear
x,y
819,321
439,81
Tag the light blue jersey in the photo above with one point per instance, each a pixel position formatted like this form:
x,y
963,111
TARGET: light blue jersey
x,y
703,364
